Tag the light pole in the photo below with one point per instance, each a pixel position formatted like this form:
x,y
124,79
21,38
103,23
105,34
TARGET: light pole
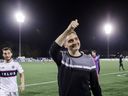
x,y
108,30
20,19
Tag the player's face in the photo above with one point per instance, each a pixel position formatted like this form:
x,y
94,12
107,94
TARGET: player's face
x,y
93,53
7,54
72,42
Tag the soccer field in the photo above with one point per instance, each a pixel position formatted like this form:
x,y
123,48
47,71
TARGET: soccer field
x,y
40,79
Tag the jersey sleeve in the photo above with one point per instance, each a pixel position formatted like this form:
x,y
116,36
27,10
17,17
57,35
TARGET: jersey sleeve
x,y
19,68
94,83
55,53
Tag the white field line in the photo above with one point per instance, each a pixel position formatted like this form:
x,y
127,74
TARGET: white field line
x,y
42,83
113,73
49,82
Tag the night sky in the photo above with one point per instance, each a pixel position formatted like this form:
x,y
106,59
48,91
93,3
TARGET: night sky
x,y
47,19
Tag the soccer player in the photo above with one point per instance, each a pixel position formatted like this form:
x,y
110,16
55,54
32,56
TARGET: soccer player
x,y
8,75
76,71
121,62
97,60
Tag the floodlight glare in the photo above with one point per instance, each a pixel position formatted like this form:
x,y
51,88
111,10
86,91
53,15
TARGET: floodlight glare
x,y
108,28
20,17
108,31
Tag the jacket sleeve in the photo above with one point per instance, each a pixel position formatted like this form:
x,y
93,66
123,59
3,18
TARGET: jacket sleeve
x,y
94,83
55,53
98,60
99,66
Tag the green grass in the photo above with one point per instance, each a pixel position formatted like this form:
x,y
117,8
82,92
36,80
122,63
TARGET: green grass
x,y
39,73
111,84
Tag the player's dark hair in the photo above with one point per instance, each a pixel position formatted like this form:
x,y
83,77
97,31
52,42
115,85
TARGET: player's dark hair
x,y
93,51
6,48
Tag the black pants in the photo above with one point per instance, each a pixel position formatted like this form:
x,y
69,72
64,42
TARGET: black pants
x,y
121,65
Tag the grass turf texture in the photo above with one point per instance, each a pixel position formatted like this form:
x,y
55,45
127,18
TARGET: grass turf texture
x,y
113,82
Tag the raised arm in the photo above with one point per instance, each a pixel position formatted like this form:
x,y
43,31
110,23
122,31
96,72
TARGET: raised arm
x,y
59,42
61,39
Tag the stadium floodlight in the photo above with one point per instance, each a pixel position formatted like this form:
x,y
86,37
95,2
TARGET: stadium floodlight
x,y
108,28
108,31
20,17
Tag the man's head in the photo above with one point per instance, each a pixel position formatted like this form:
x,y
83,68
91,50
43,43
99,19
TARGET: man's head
x,y
93,53
7,53
72,42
